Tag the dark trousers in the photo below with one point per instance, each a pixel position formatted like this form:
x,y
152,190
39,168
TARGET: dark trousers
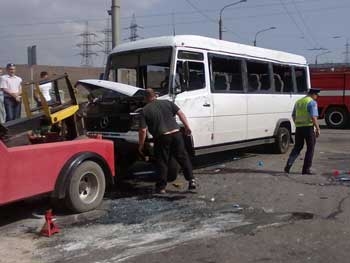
x,y
167,146
302,134
12,108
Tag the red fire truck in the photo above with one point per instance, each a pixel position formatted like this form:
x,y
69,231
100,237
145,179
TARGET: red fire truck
x,y
334,100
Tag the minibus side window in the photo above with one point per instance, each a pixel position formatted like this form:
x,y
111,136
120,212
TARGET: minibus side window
x,y
196,77
301,80
258,77
283,78
226,74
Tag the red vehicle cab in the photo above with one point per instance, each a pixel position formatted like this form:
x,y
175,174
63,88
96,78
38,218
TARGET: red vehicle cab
x,y
75,172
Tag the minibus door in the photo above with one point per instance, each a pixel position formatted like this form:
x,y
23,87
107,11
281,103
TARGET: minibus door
x,y
193,97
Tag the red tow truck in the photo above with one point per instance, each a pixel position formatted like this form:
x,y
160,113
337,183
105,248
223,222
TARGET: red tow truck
x,y
35,159
334,100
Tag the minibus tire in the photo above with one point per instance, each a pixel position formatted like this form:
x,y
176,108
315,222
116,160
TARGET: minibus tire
x,y
282,142
86,187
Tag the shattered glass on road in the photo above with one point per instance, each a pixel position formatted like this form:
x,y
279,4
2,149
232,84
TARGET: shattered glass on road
x,y
133,226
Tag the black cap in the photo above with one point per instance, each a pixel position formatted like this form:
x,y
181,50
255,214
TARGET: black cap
x,y
9,65
314,91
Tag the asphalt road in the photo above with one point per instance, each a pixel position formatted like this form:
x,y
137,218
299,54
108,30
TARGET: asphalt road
x,y
245,210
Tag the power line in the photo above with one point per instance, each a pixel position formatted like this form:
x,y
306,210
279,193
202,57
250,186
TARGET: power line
x,y
305,24
70,21
200,11
293,20
151,26
208,17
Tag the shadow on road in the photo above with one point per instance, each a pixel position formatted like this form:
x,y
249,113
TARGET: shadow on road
x,y
34,207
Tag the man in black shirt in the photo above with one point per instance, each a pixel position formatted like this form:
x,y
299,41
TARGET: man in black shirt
x,y
159,117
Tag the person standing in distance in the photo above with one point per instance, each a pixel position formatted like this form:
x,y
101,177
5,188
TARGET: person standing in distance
x,y
2,106
45,88
12,89
158,116
305,115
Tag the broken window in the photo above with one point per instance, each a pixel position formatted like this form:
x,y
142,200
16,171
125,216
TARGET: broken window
x,y
226,73
283,78
258,76
146,68
301,79
196,76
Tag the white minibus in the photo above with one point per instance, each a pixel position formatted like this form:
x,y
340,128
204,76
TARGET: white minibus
x,y
233,95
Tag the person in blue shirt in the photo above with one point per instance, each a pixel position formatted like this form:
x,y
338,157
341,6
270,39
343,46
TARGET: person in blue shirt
x,y
305,115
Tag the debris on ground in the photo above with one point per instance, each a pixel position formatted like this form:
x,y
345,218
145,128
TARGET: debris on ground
x,y
341,175
177,185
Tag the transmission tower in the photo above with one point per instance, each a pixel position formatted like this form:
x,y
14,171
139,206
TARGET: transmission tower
x,y
107,42
133,29
86,45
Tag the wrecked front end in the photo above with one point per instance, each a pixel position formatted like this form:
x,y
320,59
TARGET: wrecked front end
x,y
112,110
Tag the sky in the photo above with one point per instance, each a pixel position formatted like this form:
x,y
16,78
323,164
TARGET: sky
x,y
305,27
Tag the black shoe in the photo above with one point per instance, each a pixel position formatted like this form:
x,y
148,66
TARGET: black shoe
x,y
160,189
287,168
308,172
192,185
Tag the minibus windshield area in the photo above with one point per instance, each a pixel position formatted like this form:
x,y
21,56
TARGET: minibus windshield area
x,y
146,68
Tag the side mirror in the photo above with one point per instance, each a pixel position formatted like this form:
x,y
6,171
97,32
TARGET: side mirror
x,y
102,76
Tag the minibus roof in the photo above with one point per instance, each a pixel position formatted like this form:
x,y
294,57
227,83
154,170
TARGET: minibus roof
x,y
211,44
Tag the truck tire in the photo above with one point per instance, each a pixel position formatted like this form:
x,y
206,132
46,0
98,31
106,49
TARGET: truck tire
x,y
337,117
173,170
282,142
86,187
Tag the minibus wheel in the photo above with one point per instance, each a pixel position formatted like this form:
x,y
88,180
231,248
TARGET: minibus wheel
x,y
282,140
86,187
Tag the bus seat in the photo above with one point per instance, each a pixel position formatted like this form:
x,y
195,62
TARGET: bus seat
x,y
236,83
278,83
265,82
220,83
195,81
253,82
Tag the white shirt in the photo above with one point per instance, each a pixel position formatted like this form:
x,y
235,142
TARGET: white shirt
x,y
1,92
45,90
13,84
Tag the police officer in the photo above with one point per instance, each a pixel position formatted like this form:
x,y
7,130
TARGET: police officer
x,y
158,116
305,115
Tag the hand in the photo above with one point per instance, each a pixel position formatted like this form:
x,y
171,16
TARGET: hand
x,y
317,133
188,131
140,150
18,98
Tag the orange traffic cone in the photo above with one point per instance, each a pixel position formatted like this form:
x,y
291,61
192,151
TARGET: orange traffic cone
x,y
49,227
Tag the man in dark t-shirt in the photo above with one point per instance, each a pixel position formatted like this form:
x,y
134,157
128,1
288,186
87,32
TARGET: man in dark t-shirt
x,y
159,117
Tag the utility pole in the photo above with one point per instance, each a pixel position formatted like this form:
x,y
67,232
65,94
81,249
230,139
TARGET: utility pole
x,y
115,12
107,42
347,51
86,45
133,29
